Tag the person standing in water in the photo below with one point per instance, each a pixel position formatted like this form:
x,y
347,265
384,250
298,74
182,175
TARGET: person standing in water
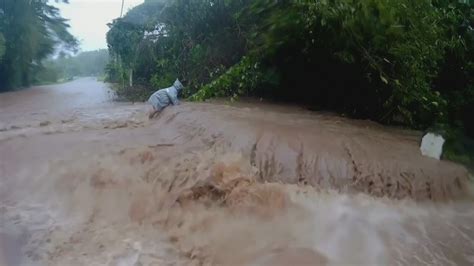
x,y
164,97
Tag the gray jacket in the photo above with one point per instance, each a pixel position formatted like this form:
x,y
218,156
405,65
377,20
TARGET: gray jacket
x,y
165,97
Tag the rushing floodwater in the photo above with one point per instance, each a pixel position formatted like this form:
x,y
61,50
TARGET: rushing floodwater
x,y
85,181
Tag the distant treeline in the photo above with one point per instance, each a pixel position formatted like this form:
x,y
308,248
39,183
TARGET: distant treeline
x,y
90,63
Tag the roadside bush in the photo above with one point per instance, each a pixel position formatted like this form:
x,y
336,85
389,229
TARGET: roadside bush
x,y
242,79
136,93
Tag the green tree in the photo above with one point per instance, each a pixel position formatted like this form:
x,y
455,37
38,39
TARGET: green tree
x,y
162,40
124,39
32,30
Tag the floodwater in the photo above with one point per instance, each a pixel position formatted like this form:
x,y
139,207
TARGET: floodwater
x,y
86,181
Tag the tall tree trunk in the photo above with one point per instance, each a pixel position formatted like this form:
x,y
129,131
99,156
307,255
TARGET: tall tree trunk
x,y
131,77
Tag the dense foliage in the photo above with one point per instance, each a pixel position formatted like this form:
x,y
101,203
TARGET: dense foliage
x,y
189,39
84,64
30,31
394,61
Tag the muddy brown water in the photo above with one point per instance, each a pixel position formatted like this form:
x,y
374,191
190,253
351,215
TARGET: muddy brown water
x,y
86,181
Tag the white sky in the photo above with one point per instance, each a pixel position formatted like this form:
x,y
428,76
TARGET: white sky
x,y
89,18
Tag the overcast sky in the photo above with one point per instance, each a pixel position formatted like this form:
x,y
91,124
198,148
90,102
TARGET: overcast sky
x,y
89,18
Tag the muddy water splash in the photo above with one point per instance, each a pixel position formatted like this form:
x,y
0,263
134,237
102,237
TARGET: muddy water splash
x,y
215,184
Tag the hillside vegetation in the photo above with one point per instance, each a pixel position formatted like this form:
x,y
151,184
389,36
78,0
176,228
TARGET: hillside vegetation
x,y
393,61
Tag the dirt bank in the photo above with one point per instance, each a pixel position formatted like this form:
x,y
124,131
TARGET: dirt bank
x,y
216,184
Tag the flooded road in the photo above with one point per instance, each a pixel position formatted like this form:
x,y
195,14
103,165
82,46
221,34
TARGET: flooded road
x,y
86,181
